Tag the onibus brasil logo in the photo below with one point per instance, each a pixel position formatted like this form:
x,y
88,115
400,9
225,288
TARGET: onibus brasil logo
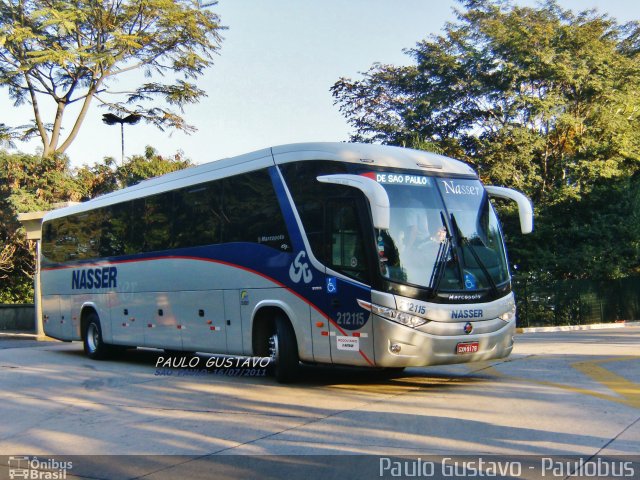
x,y
38,469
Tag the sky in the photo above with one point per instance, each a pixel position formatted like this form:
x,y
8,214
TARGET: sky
x,y
270,83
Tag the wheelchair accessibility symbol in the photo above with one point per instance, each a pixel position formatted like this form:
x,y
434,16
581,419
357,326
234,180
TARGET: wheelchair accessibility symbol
x,y
332,285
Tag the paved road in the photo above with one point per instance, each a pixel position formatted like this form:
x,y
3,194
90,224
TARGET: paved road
x,y
569,393
11,341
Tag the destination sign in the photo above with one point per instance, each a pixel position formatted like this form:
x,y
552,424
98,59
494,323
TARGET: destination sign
x,y
390,178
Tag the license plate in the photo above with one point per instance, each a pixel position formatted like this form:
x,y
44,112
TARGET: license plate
x,y
467,347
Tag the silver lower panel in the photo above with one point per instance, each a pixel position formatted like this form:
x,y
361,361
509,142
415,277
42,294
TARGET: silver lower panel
x,y
419,349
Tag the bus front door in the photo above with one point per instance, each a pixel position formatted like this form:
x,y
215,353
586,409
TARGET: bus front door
x,y
350,330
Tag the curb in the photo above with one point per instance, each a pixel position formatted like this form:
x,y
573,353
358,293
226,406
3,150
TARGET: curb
x,y
572,328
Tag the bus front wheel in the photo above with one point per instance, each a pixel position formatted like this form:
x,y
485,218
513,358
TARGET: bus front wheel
x,y
283,350
94,346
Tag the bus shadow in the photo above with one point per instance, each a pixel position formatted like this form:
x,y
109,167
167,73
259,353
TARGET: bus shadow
x,y
345,377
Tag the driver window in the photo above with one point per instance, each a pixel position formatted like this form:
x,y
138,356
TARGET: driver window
x,y
346,240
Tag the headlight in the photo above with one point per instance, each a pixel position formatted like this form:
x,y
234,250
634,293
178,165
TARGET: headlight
x,y
394,315
509,315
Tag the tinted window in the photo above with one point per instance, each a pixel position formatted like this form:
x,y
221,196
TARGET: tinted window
x,y
87,230
137,230
310,198
116,231
48,239
331,217
251,212
197,218
347,244
312,214
158,214
236,209
61,243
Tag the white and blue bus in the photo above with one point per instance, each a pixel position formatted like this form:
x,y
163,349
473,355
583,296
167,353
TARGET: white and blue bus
x,y
319,253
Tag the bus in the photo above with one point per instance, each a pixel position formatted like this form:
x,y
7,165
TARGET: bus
x,y
316,253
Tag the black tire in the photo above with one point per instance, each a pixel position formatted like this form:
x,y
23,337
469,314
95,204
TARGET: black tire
x,y
94,346
283,349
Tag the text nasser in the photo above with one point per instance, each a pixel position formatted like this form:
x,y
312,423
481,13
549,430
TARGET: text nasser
x,y
473,313
90,278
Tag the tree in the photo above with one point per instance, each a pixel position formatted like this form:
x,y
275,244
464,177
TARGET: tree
x,y
30,183
72,52
540,99
103,178
7,135
27,183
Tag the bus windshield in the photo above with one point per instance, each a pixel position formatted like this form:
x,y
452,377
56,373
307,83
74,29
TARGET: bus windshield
x,y
443,234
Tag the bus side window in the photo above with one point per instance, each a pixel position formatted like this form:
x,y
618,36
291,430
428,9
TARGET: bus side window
x,y
48,239
116,230
137,227
251,212
158,213
310,198
66,247
312,214
197,216
346,241
88,228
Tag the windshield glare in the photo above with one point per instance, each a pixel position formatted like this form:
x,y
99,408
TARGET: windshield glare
x,y
423,210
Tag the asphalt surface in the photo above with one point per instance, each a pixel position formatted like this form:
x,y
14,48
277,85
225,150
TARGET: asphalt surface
x,y
558,394
6,343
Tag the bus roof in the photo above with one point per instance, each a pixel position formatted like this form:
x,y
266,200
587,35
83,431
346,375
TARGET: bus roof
x,y
362,153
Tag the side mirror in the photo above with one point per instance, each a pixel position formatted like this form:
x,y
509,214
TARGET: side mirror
x,y
375,193
525,209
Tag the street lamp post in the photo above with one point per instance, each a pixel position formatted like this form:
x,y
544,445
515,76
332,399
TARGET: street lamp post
x,y
112,119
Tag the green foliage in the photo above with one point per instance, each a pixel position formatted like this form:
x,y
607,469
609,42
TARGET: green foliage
x,y
7,136
539,99
31,183
107,177
594,236
68,52
19,290
544,301
151,164
27,183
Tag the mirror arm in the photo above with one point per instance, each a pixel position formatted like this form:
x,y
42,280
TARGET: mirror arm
x,y
525,208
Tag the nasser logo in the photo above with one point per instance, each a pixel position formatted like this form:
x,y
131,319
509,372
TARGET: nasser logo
x,y
468,328
300,270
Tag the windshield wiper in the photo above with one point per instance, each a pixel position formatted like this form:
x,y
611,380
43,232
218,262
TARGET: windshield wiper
x,y
441,257
483,268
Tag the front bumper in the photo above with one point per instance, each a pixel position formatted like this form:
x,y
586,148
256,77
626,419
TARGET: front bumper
x,y
418,348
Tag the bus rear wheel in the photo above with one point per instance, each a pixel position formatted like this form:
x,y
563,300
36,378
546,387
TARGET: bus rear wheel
x,y
94,346
283,350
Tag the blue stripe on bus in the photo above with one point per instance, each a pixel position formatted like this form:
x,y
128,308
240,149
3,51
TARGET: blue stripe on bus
x,y
287,212
256,259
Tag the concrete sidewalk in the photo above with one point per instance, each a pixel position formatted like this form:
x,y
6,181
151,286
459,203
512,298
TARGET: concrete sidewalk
x,y
573,328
